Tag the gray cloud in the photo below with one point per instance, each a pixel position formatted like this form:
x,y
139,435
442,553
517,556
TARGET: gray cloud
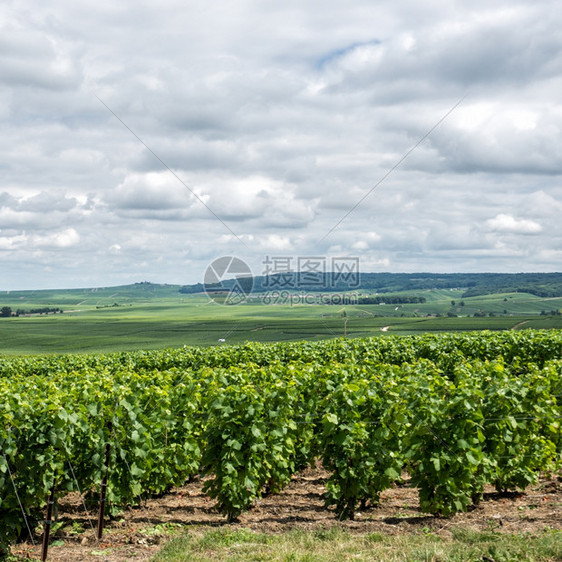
x,y
280,118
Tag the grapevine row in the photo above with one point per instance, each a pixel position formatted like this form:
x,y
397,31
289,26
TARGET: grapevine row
x,y
455,412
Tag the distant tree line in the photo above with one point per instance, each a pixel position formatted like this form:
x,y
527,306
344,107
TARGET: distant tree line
x,y
6,311
474,284
197,288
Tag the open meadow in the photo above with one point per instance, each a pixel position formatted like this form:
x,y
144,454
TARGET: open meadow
x,y
148,316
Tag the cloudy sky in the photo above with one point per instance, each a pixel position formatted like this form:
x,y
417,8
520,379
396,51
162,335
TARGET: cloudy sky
x,y
277,118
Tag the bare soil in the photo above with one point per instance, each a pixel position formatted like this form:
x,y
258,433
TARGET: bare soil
x,y
139,532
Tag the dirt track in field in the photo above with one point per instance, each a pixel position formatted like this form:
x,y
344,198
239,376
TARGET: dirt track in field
x,y
140,532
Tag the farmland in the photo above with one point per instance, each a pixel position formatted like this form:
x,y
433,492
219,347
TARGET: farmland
x,y
372,400
456,413
147,316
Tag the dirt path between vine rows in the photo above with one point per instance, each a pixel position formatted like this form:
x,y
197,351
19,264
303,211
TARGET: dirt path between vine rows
x,y
138,533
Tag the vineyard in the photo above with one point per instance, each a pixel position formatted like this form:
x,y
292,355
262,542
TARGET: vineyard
x,y
456,412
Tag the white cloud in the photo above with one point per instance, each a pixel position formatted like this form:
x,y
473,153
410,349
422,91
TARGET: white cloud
x,y
280,117
275,243
366,241
12,242
154,191
64,239
50,241
507,223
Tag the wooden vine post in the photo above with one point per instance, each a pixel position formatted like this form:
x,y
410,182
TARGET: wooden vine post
x,y
103,493
48,523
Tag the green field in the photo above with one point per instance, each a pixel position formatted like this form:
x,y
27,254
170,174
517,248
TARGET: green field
x,y
333,545
251,418
152,316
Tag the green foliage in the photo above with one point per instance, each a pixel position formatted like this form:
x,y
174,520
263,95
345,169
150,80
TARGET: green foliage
x,y
5,312
363,424
445,443
456,411
522,424
253,437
